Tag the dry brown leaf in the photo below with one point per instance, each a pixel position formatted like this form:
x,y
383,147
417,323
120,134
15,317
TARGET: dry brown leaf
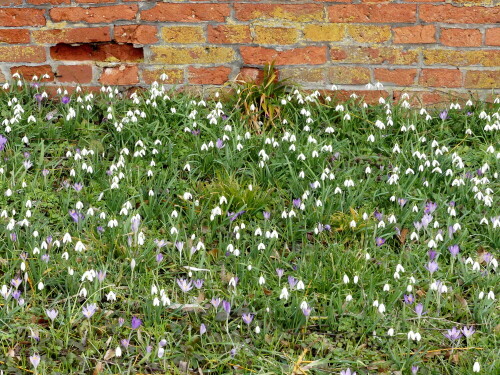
x,y
109,354
98,368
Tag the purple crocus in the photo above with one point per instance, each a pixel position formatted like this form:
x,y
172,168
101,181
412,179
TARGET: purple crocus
x,y
280,272
432,254
468,331
414,370
247,318
409,299
430,207
296,202
3,142
454,249
215,302
219,143
267,215
185,285
402,201
35,360
306,311
65,99
432,267
453,334
203,329
226,306
443,115
78,186
75,215
159,257
198,283
419,309
136,322
89,310
379,241
292,281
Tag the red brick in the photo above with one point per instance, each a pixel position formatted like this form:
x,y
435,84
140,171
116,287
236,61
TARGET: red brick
x,y
461,37
22,17
53,2
251,75
305,55
441,78
400,77
14,36
6,3
29,71
379,13
94,14
209,76
138,34
493,36
2,77
78,35
98,52
371,55
34,54
96,1
74,73
186,12
414,34
368,96
453,14
482,79
229,34
122,75
286,12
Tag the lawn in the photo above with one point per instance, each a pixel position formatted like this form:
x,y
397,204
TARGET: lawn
x,y
165,233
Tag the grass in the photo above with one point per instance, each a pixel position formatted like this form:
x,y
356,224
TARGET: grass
x,y
308,246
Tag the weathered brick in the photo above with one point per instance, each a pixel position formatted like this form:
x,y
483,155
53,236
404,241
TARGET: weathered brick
x,y
120,75
493,36
374,55
303,75
174,76
229,34
94,14
369,33
324,32
461,58
95,1
52,2
368,96
441,78
192,55
21,17
400,77
28,72
22,54
461,37
275,35
305,55
99,52
286,12
453,14
415,34
482,79
209,76
77,35
137,34
183,34
379,13
250,75
2,77
14,36
74,73
348,75
186,12
6,3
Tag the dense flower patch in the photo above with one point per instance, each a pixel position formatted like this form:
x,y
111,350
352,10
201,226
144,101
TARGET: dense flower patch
x,y
162,234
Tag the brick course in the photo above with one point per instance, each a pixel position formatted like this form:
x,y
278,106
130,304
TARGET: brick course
x,y
412,45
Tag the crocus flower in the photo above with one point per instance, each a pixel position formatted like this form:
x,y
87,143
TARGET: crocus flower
x,y
443,115
468,331
296,202
454,249
3,142
52,314
279,272
184,285
198,283
226,306
432,266
267,215
419,309
215,302
408,299
414,370
65,100
219,144
35,360
89,310
136,322
347,372
453,334
432,254
430,207
247,318
203,329
379,241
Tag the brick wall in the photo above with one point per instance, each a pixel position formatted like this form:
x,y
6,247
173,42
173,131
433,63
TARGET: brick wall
x,y
416,45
